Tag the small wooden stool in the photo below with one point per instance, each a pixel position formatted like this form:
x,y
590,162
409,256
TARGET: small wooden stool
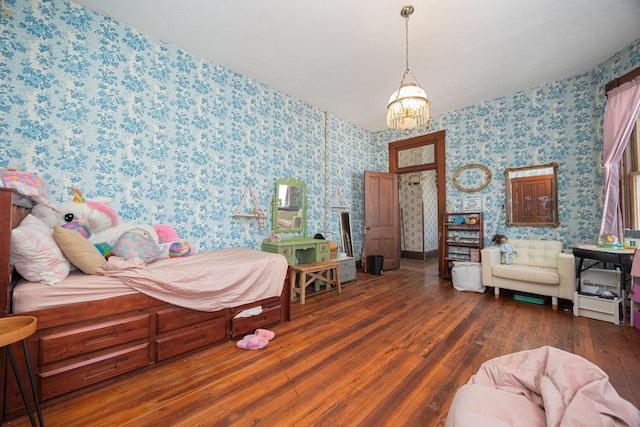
x,y
308,273
12,330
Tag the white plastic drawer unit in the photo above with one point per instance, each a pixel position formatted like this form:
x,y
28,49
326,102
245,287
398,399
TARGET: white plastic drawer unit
x,y
605,280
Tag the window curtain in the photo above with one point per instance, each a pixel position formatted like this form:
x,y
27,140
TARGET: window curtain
x,y
620,114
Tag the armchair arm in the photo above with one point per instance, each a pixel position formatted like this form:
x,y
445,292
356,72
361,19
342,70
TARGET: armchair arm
x,y
567,273
489,257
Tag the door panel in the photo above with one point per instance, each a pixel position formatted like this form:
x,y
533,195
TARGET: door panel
x,y
382,217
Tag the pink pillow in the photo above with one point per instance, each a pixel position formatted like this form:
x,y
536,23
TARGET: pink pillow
x,y
35,253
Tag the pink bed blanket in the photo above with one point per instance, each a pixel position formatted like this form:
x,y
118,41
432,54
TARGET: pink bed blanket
x,y
208,281
541,387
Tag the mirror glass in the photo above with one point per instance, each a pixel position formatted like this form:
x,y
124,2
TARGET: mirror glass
x,y
416,156
347,238
290,206
532,195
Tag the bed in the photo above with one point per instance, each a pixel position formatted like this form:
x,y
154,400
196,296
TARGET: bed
x,y
86,338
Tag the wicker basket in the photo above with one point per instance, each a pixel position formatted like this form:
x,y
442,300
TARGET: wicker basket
x,y
333,253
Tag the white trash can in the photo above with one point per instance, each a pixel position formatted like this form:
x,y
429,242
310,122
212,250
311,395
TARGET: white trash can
x,y
467,276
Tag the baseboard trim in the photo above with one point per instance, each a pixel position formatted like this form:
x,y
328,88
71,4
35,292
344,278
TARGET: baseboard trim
x,y
419,255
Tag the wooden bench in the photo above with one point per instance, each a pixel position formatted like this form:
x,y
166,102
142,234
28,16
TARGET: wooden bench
x,y
325,271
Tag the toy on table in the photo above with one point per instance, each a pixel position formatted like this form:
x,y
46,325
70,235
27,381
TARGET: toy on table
x,y
506,250
609,241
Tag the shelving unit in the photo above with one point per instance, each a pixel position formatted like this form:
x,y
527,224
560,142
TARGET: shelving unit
x,y
462,240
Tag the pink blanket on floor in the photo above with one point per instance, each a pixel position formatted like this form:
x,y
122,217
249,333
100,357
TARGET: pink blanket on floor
x,y
207,281
541,387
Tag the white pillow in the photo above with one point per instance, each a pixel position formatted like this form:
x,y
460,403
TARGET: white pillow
x,y
35,253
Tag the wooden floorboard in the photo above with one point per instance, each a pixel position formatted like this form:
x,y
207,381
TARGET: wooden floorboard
x,y
390,350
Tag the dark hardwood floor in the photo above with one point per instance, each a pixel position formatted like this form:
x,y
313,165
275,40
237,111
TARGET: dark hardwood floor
x,y
390,350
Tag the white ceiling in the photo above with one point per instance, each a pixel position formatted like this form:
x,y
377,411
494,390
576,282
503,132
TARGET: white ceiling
x,y
347,56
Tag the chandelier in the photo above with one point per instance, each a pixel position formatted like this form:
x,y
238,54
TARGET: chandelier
x,y
408,106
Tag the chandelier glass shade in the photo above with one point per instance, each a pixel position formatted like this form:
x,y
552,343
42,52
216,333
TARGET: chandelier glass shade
x,y
408,106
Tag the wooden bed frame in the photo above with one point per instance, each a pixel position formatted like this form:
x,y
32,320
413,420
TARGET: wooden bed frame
x,y
82,346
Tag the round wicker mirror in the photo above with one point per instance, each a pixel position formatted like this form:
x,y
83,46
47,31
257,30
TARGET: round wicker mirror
x,y
472,177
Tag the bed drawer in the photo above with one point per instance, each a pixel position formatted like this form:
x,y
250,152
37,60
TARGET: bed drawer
x,y
190,339
177,317
84,373
243,325
81,341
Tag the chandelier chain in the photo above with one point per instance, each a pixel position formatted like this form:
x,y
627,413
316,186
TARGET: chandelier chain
x,y
408,106
406,40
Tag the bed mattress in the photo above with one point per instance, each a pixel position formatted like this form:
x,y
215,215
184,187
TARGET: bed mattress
x,y
77,287
208,281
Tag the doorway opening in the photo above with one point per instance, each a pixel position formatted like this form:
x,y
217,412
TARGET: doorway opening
x,y
420,165
419,215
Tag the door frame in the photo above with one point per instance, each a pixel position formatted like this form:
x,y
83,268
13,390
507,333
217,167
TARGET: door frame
x,y
437,139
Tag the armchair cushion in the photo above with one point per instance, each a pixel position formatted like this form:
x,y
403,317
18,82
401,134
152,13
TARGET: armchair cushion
x,y
539,267
546,276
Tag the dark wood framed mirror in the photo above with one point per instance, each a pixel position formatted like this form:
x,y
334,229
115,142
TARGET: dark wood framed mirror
x,y
531,196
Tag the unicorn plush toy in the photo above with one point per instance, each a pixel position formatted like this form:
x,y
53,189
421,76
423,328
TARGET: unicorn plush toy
x,y
103,225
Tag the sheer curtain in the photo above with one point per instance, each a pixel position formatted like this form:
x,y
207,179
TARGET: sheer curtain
x,y
620,114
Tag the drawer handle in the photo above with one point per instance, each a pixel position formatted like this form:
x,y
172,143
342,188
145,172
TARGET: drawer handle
x,y
108,367
195,339
101,338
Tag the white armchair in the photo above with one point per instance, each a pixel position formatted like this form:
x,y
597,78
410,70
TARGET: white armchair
x,y
539,267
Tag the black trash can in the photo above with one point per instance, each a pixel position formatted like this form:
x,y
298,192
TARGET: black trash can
x,y
375,264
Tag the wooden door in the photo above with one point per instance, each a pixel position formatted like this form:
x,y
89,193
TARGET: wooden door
x,y
382,217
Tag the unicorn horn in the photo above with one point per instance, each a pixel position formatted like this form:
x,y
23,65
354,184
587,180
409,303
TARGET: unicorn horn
x,y
77,195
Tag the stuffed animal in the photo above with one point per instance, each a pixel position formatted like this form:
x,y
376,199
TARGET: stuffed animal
x,y
100,219
137,243
103,224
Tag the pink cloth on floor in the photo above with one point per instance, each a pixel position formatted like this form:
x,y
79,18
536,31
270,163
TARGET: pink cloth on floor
x,y
541,387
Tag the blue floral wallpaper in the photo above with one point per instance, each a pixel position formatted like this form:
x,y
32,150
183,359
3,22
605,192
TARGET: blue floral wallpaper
x,y
172,138
558,122
88,102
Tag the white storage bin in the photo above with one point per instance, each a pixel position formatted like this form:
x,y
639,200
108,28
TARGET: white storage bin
x,y
467,276
597,308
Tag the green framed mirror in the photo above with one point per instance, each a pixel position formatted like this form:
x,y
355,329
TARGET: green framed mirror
x,y
289,207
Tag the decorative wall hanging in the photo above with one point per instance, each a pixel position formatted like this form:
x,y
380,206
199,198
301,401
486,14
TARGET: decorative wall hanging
x,y
339,202
469,175
255,211
472,204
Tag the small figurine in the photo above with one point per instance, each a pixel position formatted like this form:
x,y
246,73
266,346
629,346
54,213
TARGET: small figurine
x,y
506,250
